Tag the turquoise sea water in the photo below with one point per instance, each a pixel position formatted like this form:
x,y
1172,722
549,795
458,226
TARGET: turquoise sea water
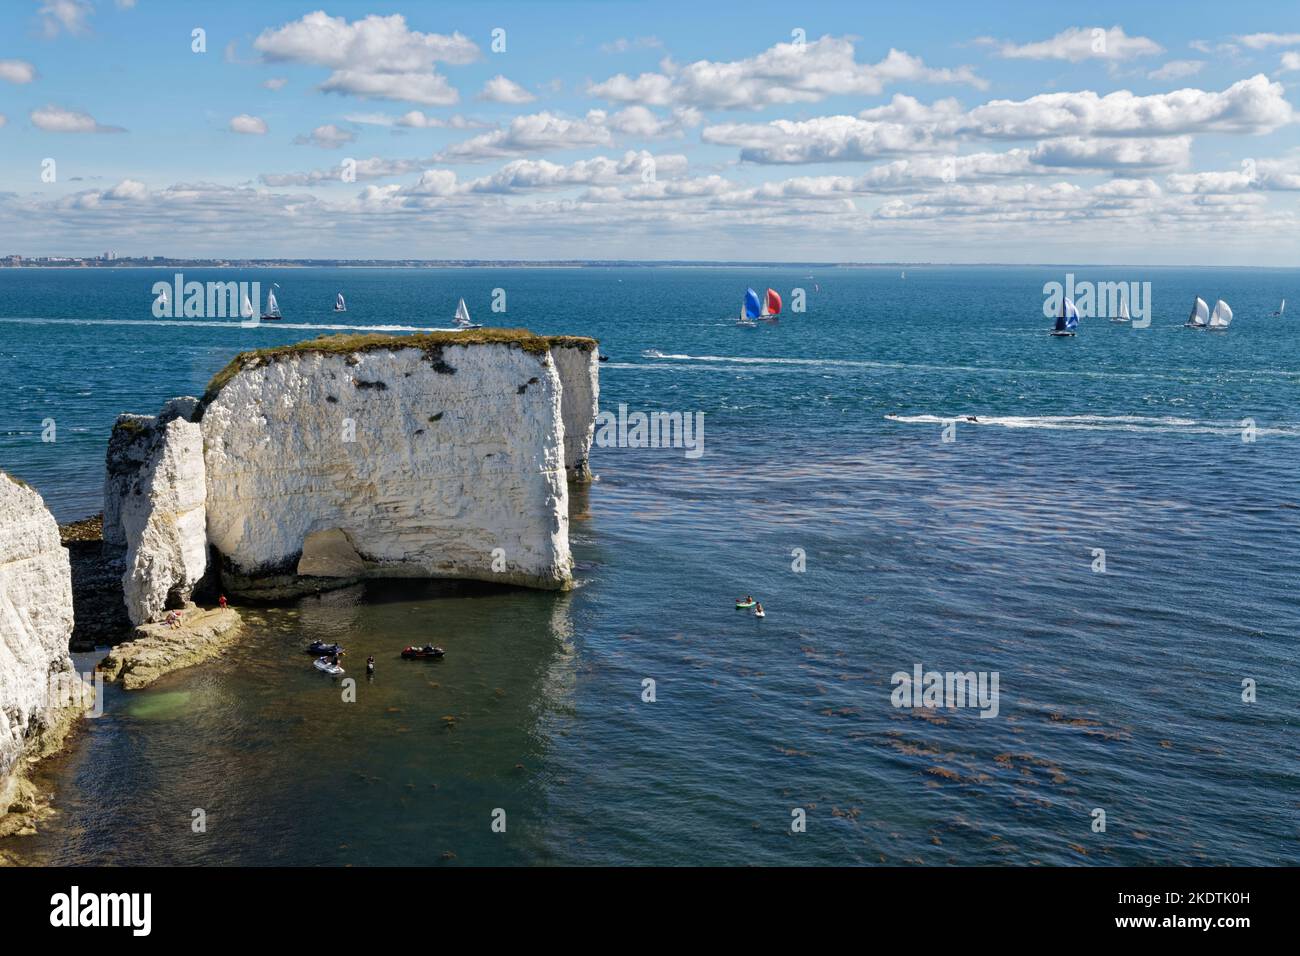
x,y
1119,691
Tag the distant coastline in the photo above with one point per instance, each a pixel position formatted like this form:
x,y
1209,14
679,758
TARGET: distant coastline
x,y
163,262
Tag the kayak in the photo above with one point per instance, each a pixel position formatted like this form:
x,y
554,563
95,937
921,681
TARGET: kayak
x,y
419,653
320,648
742,605
323,664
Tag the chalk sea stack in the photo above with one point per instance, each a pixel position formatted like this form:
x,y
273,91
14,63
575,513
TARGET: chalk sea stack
x,y
437,455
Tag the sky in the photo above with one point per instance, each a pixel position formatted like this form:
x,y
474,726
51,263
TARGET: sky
x,y
1130,132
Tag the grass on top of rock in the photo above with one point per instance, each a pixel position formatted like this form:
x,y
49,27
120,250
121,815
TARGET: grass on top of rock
x,y
430,343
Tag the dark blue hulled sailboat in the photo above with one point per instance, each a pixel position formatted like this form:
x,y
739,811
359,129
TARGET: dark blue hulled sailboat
x,y
1068,320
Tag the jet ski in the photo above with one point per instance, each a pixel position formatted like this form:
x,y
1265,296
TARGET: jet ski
x,y
320,648
420,653
324,664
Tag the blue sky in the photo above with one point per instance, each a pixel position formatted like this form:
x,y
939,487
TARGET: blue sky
x,y
1014,132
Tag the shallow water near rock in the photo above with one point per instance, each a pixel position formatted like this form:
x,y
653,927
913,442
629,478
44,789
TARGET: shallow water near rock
x,y
1120,691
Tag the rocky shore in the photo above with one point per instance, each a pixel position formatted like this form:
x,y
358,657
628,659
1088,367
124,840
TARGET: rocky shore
x,y
158,649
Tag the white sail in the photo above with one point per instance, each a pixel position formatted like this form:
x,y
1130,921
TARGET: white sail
x,y
1222,315
272,307
1200,313
247,310
339,304
462,313
1280,309
163,298
1123,309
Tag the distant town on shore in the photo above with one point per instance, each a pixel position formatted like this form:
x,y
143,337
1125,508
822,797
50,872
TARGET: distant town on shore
x,y
113,260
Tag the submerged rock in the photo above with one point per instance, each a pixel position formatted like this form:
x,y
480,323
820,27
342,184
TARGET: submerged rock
x,y
38,702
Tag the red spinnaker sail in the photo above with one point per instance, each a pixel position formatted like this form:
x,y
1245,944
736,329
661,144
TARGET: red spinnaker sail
x,y
773,302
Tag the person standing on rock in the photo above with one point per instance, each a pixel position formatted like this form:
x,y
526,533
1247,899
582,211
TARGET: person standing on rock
x,y
222,602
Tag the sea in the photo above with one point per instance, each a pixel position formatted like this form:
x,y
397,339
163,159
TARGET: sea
x,y
907,471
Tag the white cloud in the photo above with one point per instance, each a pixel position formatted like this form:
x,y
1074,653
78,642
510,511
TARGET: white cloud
x,y
3,119
533,133
530,174
1266,175
64,15
1079,43
1253,105
786,73
1261,41
1290,62
328,136
17,71
429,89
1070,120
128,189
415,119
275,83
248,125
1113,154
365,169
499,89
56,119
821,140
125,4
643,123
1176,70
374,58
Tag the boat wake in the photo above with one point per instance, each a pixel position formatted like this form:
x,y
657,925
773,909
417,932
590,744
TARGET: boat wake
x,y
1126,423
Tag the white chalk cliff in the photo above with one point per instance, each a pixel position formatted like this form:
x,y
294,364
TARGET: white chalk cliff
x,y
154,506
410,457
580,383
35,623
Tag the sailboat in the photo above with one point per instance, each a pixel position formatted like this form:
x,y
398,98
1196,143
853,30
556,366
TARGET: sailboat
x,y
771,306
162,299
902,275
1123,311
1221,316
1200,314
1278,314
246,312
1067,321
462,317
272,308
339,304
749,310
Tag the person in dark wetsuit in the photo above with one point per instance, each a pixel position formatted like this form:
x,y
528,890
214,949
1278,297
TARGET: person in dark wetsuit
x,y
370,665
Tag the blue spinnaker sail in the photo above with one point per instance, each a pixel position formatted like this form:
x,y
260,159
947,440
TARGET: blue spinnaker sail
x,y
753,308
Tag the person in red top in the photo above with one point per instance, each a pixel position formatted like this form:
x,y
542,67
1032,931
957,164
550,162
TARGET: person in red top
x,y
222,600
